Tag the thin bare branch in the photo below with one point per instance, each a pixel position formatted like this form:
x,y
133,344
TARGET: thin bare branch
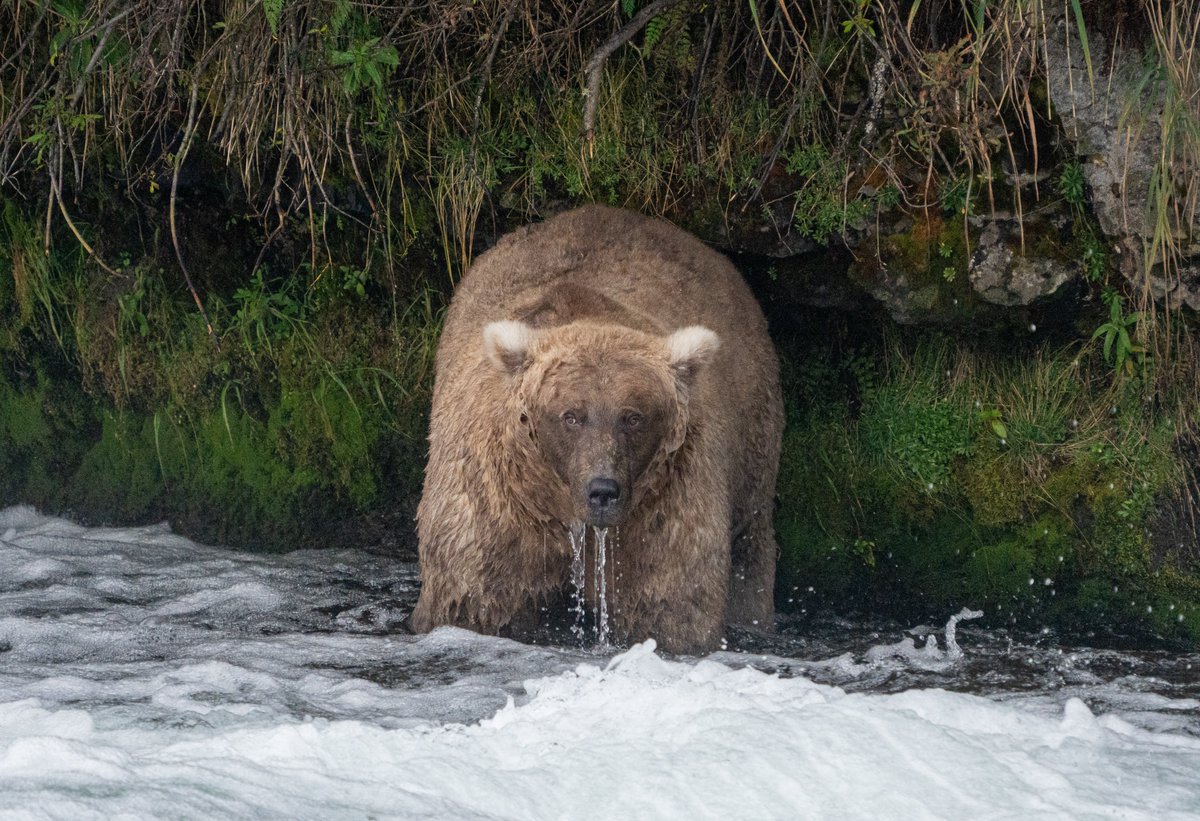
x,y
595,65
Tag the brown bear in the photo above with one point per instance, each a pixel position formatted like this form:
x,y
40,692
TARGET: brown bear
x,y
607,370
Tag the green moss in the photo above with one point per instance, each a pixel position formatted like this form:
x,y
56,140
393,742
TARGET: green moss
x,y
120,474
929,260
994,485
23,422
45,425
313,396
1022,573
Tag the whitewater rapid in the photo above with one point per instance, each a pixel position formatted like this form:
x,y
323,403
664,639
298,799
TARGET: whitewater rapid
x,y
145,676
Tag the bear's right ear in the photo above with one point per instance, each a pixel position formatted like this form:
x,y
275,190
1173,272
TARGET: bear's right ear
x,y
507,345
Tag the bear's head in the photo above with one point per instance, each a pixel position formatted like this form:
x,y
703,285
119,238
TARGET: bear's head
x,y
598,406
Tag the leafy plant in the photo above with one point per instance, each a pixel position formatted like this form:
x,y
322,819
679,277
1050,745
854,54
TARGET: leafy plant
x,y
130,309
858,23
823,208
354,280
949,272
864,549
1119,348
263,316
1071,184
992,418
272,9
366,65
954,195
1095,257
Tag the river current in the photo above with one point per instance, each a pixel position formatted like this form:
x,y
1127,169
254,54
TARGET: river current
x,y
143,675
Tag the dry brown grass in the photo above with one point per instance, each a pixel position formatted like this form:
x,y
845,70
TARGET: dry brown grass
x,y
409,99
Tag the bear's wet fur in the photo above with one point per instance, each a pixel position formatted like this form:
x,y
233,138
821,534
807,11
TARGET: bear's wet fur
x,y
603,368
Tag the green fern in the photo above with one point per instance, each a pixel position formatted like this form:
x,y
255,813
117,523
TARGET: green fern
x,y
272,9
654,31
340,17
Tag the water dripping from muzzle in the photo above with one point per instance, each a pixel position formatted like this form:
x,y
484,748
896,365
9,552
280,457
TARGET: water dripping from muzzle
x,y
602,630
578,535
600,586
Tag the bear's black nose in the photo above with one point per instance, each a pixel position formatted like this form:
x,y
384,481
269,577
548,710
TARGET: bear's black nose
x,y
603,492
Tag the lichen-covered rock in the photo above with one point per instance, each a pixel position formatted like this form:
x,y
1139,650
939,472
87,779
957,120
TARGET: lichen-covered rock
x,y
914,266
907,301
1001,274
1115,121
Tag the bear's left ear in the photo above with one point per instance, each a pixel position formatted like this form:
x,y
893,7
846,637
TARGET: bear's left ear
x,y
507,345
690,349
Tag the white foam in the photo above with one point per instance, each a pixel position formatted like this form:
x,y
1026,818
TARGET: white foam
x,y
159,678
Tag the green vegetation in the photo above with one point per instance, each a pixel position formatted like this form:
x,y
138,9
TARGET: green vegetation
x,y
1031,486
116,404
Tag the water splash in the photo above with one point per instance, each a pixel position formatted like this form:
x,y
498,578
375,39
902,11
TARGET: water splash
x,y
929,657
953,651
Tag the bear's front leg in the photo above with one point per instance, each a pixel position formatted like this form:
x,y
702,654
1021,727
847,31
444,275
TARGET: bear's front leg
x,y
486,587
674,580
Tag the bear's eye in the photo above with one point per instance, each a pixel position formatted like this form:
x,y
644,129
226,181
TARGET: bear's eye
x,y
633,420
570,418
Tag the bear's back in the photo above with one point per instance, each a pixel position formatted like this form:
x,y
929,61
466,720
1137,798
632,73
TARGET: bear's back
x,y
611,265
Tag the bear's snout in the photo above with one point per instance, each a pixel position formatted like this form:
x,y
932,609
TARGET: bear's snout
x,y
603,494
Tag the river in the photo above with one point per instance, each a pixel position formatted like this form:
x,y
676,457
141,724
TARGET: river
x,y
145,676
